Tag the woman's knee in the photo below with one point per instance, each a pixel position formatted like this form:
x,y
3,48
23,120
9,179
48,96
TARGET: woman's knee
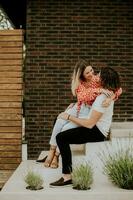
x,y
61,122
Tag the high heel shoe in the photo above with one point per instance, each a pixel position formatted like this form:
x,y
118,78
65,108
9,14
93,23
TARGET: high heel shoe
x,y
42,160
50,157
55,162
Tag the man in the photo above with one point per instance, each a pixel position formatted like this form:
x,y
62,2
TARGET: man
x,y
95,128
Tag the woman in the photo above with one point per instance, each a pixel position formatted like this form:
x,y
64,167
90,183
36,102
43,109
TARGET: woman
x,y
86,87
95,128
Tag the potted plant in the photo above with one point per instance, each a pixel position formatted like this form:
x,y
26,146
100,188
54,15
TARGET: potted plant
x,y
34,181
82,176
118,164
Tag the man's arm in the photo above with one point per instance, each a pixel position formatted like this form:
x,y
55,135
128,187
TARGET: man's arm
x,y
88,123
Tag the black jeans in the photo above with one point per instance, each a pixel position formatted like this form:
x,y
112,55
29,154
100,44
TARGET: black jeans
x,y
79,135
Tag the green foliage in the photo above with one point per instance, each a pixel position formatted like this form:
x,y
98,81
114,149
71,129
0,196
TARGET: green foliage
x,y
82,176
33,180
5,23
119,165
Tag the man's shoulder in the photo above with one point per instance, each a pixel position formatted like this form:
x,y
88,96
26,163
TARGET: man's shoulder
x,y
97,105
99,100
100,97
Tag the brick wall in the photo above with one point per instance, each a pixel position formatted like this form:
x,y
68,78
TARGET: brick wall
x,y
58,34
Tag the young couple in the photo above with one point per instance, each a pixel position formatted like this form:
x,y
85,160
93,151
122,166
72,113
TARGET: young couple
x,y
88,120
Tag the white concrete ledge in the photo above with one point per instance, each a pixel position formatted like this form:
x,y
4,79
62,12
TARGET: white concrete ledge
x,y
122,125
93,149
61,195
122,129
101,189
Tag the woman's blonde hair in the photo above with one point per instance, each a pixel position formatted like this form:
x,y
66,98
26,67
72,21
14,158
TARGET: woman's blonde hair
x,y
77,76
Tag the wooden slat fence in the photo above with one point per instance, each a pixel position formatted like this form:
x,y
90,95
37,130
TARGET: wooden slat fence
x,y
11,60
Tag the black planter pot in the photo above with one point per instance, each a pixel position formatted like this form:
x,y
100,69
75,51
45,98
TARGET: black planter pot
x,y
31,188
79,188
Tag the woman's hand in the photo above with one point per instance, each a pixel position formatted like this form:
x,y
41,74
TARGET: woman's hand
x,y
106,102
63,115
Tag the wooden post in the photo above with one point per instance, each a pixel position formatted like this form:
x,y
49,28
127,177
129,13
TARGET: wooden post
x,y
11,61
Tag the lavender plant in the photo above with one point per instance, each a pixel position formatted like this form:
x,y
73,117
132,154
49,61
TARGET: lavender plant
x,y
82,176
118,163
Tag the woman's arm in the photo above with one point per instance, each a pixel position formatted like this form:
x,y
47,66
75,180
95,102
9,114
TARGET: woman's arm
x,y
88,123
90,94
114,97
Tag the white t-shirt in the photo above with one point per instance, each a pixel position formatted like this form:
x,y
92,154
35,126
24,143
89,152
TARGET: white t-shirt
x,y
105,121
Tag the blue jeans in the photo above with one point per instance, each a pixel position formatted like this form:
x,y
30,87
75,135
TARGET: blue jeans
x,y
63,125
